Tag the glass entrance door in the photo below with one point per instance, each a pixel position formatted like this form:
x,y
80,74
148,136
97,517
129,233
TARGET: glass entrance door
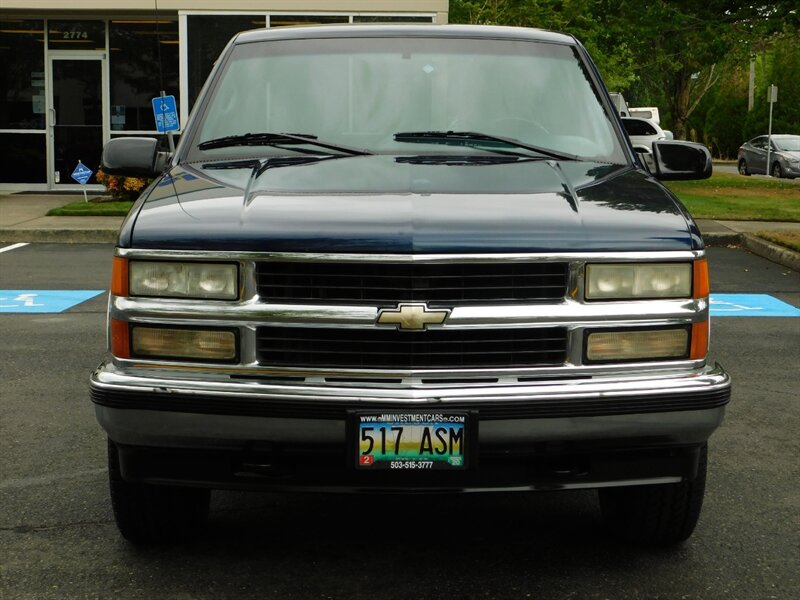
x,y
76,116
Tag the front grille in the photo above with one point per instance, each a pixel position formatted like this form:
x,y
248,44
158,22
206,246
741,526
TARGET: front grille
x,y
437,284
393,349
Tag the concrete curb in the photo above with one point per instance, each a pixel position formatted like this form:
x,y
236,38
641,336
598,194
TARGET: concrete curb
x,y
777,254
718,238
59,236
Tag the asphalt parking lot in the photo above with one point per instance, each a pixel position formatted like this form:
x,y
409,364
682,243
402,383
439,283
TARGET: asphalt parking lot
x,y
58,538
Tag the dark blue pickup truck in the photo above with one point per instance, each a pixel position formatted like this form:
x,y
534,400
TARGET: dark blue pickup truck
x,y
408,259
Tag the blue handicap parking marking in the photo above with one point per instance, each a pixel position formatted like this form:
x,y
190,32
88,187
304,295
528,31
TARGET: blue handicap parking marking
x,y
43,301
750,305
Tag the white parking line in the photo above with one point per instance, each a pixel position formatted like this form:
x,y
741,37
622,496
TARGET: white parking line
x,y
12,247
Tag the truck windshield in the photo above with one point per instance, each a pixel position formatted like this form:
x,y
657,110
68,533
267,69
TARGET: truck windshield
x,y
360,92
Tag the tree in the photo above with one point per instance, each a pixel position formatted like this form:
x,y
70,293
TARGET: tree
x,y
678,43
588,20
780,65
668,53
722,117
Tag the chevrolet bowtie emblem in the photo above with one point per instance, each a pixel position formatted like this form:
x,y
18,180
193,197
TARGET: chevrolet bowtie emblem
x,y
412,317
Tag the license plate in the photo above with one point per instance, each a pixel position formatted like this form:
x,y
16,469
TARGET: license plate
x,y
411,441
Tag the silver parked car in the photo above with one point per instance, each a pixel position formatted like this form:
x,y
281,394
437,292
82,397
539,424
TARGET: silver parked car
x,y
784,156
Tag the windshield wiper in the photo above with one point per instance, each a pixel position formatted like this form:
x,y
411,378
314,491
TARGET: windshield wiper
x,y
476,140
467,160
260,165
277,139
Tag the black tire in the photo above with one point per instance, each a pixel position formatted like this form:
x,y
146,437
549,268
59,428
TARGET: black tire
x,y
777,172
655,515
155,513
743,170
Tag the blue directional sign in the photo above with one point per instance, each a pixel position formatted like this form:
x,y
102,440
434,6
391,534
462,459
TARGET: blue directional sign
x,y
82,173
165,111
750,305
43,301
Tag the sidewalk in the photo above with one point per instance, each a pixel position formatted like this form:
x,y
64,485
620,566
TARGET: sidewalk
x,y
23,219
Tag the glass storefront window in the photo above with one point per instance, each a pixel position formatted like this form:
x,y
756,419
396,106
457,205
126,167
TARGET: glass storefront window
x,y
290,20
22,99
76,35
208,35
23,158
390,19
134,48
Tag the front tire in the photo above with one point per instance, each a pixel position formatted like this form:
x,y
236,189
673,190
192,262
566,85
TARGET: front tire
x,y
777,172
655,515
743,170
154,513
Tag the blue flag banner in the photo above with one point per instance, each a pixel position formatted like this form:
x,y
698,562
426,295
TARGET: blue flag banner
x,y
82,173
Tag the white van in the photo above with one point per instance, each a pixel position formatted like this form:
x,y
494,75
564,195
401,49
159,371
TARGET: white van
x,y
646,112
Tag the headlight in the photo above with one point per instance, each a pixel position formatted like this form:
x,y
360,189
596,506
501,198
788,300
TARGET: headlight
x,y
177,343
651,344
183,280
641,280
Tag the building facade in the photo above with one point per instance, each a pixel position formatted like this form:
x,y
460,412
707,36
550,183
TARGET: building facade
x,y
76,73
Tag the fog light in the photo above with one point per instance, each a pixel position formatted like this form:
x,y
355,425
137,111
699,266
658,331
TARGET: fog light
x,y
181,343
643,344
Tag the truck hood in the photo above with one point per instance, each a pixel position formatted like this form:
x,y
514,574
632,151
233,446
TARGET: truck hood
x,y
390,204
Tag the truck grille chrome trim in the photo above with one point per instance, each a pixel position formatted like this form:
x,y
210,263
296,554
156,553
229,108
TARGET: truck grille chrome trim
x,y
629,256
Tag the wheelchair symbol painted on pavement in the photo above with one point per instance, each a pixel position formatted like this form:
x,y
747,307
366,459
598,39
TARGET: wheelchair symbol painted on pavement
x,y
43,301
27,300
750,305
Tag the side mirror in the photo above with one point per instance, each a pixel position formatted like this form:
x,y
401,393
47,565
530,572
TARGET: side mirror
x,y
135,157
669,135
674,160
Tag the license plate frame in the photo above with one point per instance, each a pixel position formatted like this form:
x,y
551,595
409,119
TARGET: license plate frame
x,y
448,446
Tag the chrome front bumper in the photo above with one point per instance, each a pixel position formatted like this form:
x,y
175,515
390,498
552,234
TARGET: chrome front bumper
x,y
661,407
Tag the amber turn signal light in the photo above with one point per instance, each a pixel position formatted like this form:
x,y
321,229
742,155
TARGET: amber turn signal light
x,y
700,285
119,276
120,339
699,341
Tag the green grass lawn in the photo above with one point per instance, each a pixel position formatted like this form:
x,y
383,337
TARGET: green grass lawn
x,y
790,239
738,198
92,209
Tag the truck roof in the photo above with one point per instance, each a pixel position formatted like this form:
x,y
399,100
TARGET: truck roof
x,y
438,31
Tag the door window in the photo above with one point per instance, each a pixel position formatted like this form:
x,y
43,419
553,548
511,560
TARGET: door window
x,y
23,155
77,106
